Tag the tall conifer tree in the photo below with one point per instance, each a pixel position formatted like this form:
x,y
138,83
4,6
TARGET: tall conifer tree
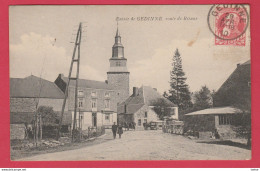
x,y
179,92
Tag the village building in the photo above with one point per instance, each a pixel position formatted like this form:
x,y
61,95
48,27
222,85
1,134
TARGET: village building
x,y
213,122
139,109
231,100
97,103
97,100
25,94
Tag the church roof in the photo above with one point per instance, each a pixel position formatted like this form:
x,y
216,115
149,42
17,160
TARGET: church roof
x,y
33,86
89,83
117,33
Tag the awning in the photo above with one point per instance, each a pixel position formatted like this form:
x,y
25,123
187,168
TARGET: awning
x,y
216,111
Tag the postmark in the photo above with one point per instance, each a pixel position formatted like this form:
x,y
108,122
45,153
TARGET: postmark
x,y
229,24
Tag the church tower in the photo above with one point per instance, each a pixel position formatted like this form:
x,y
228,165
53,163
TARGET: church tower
x,y
118,75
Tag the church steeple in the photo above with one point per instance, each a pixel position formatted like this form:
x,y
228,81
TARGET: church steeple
x,y
118,75
118,48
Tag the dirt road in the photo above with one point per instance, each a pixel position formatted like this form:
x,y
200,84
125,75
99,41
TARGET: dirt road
x,y
148,145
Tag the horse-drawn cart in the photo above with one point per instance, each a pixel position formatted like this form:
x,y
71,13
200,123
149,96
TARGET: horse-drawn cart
x,y
173,126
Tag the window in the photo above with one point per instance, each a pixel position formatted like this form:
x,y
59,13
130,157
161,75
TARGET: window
x,y
107,94
107,117
94,103
81,116
107,104
80,102
225,119
80,93
172,111
145,114
93,94
139,122
145,120
94,119
125,108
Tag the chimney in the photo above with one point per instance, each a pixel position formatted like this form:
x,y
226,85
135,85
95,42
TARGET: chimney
x,y
238,65
135,91
155,89
61,75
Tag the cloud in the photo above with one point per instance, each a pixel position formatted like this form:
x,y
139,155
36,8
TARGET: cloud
x,y
40,55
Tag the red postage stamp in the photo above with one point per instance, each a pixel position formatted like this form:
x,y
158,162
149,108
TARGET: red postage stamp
x,y
228,23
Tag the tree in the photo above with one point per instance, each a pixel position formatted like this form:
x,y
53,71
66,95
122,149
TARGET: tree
x,y
49,117
202,99
48,120
162,107
179,92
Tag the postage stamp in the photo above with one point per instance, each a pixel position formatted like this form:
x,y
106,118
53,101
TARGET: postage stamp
x,y
228,23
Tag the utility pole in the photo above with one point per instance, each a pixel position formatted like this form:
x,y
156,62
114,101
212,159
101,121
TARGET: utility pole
x,y
40,127
77,60
80,125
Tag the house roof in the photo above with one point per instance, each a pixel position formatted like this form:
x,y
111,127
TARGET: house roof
x,y
216,111
150,95
238,81
247,63
89,83
33,86
146,96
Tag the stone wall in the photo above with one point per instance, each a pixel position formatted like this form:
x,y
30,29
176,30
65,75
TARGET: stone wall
x,y
22,104
29,104
120,82
17,131
224,131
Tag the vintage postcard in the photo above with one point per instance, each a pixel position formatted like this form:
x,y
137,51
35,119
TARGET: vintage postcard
x,y
130,82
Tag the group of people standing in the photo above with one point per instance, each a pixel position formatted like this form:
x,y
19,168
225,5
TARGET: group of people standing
x,y
130,125
117,129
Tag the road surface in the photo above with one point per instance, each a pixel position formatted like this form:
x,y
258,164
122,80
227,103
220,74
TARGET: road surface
x,y
147,145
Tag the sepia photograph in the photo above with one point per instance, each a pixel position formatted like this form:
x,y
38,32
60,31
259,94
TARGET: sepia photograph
x,y
130,82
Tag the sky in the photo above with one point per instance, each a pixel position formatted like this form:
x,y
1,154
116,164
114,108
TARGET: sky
x,y
149,45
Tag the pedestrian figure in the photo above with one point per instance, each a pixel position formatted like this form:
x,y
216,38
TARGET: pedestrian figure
x,y
120,130
125,125
114,129
130,125
134,125
144,125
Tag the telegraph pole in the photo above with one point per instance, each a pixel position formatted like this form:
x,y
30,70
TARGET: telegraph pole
x,y
77,60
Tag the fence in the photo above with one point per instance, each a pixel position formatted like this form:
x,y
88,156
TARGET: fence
x,y
93,132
